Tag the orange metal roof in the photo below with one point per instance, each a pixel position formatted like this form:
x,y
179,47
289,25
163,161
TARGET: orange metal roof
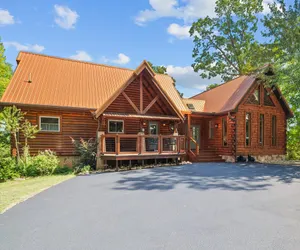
x,y
64,82
226,96
198,104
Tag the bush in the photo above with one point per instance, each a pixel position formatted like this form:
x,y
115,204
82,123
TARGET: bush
x,y
87,151
8,169
82,170
62,170
43,164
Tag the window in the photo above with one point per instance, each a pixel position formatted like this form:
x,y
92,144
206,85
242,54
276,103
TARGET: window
x,y
224,132
211,130
267,99
274,132
115,126
50,123
191,106
153,128
261,129
248,129
254,98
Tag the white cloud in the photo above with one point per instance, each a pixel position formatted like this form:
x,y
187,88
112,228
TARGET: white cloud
x,y
65,17
180,32
6,18
122,59
25,47
188,79
81,55
188,10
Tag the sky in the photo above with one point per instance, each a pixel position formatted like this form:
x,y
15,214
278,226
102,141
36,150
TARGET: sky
x,y
116,32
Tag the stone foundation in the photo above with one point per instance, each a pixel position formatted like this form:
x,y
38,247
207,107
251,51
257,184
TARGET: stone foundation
x,y
228,158
258,158
269,158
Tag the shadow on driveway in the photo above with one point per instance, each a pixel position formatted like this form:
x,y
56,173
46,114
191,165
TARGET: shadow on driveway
x,y
204,176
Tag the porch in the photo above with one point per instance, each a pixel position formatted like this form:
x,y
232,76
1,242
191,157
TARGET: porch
x,y
141,147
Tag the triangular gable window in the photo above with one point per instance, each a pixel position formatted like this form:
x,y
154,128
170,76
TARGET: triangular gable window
x,y
267,99
254,98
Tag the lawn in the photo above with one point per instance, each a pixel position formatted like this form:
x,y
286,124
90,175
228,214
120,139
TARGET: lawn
x,y
13,192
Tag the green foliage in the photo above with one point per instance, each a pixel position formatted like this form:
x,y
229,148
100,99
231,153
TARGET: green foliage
x,y
163,70
87,151
226,45
62,170
11,118
282,27
212,86
82,170
158,69
8,169
5,70
43,164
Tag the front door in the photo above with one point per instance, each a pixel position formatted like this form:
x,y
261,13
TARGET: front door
x,y
195,132
153,142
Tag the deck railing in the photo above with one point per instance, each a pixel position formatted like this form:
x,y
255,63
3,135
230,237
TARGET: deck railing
x,y
142,144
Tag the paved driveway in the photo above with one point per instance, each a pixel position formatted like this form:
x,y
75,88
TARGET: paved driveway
x,y
199,206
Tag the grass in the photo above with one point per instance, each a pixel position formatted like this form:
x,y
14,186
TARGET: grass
x,y
16,191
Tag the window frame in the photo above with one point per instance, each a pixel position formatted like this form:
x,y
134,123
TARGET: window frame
x,y
50,131
123,127
224,121
211,131
273,131
250,129
261,134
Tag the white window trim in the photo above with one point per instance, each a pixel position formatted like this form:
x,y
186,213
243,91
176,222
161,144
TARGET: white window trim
x,y
116,132
52,131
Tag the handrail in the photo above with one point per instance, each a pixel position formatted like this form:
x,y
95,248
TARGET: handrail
x,y
177,146
196,143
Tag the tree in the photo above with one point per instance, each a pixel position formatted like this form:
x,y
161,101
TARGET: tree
x,y
29,131
283,29
5,70
212,86
163,70
225,45
11,117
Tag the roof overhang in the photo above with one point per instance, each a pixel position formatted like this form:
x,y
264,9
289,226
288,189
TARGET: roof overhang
x,y
140,116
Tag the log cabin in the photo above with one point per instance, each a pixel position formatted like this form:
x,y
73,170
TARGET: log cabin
x,y
139,115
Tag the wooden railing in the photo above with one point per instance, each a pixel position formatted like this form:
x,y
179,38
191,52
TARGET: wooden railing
x,y
192,140
142,144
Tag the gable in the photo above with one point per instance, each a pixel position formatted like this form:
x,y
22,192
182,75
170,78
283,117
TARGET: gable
x,y
267,99
141,96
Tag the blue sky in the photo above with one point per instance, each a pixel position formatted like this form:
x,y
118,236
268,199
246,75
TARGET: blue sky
x,y
116,32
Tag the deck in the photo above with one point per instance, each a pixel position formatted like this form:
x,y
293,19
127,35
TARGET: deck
x,y
142,147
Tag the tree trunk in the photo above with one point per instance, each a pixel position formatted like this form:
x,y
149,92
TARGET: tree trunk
x,y
17,147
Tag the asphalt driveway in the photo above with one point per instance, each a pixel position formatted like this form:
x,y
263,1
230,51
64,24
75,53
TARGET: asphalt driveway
x,y
199,206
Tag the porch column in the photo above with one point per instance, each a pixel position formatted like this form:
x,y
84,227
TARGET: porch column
x,y
142,142
189,131
100,162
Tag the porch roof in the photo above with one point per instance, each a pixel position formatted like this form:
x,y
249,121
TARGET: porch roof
x,y
146,117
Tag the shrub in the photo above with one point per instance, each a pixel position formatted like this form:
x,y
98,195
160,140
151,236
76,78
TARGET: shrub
x,y
82,170
8,169
42,164
62,170
87,151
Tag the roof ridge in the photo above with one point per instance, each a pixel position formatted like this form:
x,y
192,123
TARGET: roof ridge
x,y
73,60
79,61
221,84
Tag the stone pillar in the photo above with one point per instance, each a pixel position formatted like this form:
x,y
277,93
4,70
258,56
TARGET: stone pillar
x,y
100,162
